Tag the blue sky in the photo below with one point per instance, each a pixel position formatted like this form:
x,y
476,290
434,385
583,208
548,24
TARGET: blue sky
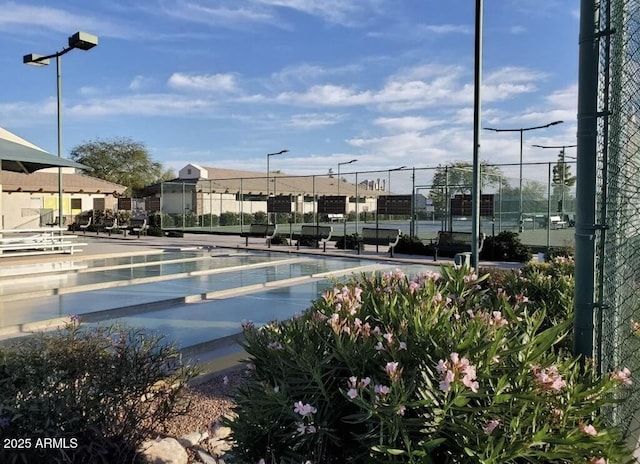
x,y
224,82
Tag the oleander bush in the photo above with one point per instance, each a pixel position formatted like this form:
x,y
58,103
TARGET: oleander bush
x,y
506,246
98,391
413,246
352,242
439,368
280,239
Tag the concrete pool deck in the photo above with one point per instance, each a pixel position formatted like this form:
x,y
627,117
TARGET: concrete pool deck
x,y
117,245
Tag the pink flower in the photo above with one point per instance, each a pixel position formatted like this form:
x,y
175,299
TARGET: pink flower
x,y
470,278
597,460
379,346
548,379
381,390
403,346
445,385
393,371
471,384
364,382
261,461
304,409
352,393
275,346
623,376
588,429
491,426
401,410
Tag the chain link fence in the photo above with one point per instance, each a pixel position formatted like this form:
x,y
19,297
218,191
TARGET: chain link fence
x,y
542,212
618,202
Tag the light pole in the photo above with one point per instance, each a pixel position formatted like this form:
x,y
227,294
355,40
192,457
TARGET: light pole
x,y
81,41
342,164
522,130
563,180
389,183
346,206
269,155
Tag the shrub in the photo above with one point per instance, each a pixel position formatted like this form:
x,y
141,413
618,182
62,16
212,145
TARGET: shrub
x,y
506,246
413,246
229,219
103,390
279,239
434,369
352,241
308,241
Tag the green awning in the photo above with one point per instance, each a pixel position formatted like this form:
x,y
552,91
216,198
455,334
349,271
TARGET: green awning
x,y
22,158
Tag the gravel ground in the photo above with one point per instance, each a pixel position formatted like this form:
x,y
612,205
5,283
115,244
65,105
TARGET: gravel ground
x,y
210,400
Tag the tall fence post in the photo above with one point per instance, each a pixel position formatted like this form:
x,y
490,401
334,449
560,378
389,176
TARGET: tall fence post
x,y
586,186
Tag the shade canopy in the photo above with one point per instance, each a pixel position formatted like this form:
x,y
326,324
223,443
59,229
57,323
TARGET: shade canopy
x,y
20,156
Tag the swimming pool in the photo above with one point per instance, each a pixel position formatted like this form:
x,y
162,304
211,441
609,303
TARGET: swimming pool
x,y
190,297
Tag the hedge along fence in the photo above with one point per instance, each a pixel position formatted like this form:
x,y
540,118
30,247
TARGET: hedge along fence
x,y
439,368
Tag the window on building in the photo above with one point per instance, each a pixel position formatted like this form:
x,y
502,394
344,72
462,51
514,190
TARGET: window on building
x,y
76,203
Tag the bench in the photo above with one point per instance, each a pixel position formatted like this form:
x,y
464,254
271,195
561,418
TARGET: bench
x,y
138,226
455,243
267,231
556,222
107,225
25,242
335,217
374,236
321,234
84,227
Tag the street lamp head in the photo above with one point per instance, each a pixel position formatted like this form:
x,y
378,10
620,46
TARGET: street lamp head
x,y
35,60
83,41
277,153
523,129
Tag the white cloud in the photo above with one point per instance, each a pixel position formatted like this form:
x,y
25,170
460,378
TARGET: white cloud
x,y
344,12
306,72
314,120
210,82
518,30
230,17
442,86
443,29
511,74
407,123
139,82
566,98
142,105
45,18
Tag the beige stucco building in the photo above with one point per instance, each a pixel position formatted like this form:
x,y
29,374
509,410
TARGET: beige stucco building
x,y
211,190
31,200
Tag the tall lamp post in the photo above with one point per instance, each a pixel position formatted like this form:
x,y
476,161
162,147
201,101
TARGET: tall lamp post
x,y
562,157
269,155
522,130
389,183
342,164
81,41
347,209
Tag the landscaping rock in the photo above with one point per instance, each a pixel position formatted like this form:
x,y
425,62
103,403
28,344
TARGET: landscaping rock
x,y
165,451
